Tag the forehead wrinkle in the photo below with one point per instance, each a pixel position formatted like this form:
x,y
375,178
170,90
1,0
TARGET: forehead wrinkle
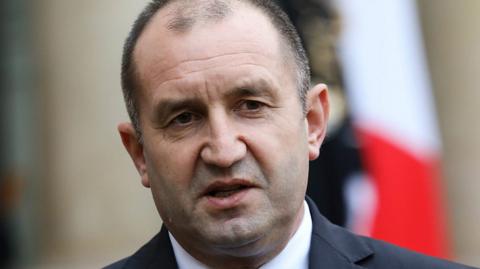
x,y
179,78
207,59
184,68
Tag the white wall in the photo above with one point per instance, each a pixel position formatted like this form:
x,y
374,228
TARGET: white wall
x,y
94,208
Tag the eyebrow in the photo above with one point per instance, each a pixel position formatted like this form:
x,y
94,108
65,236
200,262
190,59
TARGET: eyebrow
x,y
165,108
253,87
249,91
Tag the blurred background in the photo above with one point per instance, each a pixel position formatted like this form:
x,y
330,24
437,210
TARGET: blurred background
x,y
70,197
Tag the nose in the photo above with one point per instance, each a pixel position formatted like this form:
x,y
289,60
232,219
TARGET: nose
x,y
225,145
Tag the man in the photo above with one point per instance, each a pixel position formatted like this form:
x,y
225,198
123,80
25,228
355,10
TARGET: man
x,y
224,122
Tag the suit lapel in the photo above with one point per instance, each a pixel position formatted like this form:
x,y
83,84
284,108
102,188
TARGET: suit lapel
x,y
158,253
165,257
332,246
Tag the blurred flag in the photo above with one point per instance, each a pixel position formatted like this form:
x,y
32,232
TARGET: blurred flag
x,y
391,105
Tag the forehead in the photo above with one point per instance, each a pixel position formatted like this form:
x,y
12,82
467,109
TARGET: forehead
x,y
244,31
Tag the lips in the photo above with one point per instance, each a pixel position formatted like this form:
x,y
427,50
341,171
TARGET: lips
x,y
221,189
227,194
226,191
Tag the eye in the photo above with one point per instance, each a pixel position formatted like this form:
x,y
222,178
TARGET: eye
x,y
251,105
184,118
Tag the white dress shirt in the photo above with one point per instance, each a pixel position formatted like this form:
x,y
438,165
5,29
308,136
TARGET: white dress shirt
x,y
293,256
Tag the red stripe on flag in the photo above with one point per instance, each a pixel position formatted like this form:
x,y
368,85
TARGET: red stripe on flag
x,y
409,210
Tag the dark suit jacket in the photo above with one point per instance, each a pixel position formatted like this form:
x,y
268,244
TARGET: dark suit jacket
x,y
332,247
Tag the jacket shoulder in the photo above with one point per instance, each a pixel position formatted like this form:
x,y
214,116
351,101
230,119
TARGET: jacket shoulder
x,y
386,254
157,253
117,265
335,247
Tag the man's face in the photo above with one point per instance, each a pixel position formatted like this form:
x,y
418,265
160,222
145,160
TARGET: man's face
x,y
225,142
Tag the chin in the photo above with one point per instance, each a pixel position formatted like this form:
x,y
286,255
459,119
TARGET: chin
x,y
235,235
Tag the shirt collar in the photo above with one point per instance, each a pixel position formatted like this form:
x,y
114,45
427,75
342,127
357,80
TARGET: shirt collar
x,y
294,255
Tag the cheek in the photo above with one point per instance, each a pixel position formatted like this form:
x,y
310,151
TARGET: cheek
x,y
170,167
283,159
170,173
280,151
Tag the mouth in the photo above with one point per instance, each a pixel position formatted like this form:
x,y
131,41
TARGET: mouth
x,y
227,194
222,189
225,191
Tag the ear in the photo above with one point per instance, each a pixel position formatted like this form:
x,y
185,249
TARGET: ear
x,y
134,149
317,117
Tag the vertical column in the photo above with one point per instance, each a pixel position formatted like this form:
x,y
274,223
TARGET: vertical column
x,y
452,39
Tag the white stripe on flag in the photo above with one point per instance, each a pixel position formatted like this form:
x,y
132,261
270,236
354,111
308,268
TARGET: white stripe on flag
x,y
386,76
